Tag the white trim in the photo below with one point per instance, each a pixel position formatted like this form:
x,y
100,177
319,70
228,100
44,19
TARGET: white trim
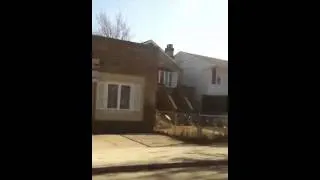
x,y
105,101
174,79
159,76
166,78
119,96
133,92
137,98
100,104
216,75
120,84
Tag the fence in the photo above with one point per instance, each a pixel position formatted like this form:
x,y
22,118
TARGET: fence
x,y
192,124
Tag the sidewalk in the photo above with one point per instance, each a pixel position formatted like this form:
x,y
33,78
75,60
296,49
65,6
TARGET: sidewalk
x,y
129,155
190,173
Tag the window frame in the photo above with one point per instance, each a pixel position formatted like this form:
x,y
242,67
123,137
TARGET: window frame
x,y
119,84
166,78
219,80
130,98
214,78
107,96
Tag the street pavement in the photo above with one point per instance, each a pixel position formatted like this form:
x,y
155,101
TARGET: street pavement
x,y
203,173
148,149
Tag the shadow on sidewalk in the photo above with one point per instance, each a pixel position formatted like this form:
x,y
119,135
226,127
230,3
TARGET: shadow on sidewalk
x,y
158,166
197,173
205,173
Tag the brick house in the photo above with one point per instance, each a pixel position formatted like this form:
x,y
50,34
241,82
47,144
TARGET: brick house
x,y
171,94
124,85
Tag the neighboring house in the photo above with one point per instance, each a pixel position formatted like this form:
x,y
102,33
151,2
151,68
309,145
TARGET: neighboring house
x,y
168,70
124,85
170,95
209,77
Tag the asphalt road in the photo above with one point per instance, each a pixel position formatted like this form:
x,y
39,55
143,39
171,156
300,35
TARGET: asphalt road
x,y
202,173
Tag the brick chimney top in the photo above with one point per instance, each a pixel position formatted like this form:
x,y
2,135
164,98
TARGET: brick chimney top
x,y
169,50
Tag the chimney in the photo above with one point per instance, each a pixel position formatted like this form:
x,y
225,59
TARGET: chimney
x,y
169,50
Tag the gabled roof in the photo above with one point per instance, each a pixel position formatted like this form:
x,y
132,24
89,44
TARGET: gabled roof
x,y
151,42
196,57
165,59
124,42
121,56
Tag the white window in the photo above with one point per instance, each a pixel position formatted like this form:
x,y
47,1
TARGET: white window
x,y
214,75
168,78
118,96
219,80
216,79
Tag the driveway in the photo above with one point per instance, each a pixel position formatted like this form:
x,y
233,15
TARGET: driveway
x,y
102,142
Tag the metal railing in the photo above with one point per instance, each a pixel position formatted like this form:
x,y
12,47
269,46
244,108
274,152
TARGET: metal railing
x,y
214,120
180,118
201,123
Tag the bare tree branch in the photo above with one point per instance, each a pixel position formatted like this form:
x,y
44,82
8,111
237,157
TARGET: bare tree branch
x,y
119,30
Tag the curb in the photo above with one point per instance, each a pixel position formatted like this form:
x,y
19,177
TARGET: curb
x,y
148,167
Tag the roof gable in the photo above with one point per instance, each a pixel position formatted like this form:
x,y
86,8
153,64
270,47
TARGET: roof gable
x,y
165,59
197,57
121,56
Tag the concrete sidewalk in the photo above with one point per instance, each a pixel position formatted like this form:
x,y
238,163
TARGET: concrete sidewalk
x,y
135,156
191,173
124,153
112,151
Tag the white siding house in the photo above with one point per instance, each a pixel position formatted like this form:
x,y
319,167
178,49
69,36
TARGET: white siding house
x,y
209,76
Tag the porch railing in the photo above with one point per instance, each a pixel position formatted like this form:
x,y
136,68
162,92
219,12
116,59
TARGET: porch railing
x,y
201,123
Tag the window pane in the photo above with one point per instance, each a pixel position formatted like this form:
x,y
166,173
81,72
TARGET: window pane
x,y
161,77
169,79
125,97
112,95
214,75
166,75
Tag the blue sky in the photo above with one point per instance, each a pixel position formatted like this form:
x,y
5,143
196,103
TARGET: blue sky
x,y
194,26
